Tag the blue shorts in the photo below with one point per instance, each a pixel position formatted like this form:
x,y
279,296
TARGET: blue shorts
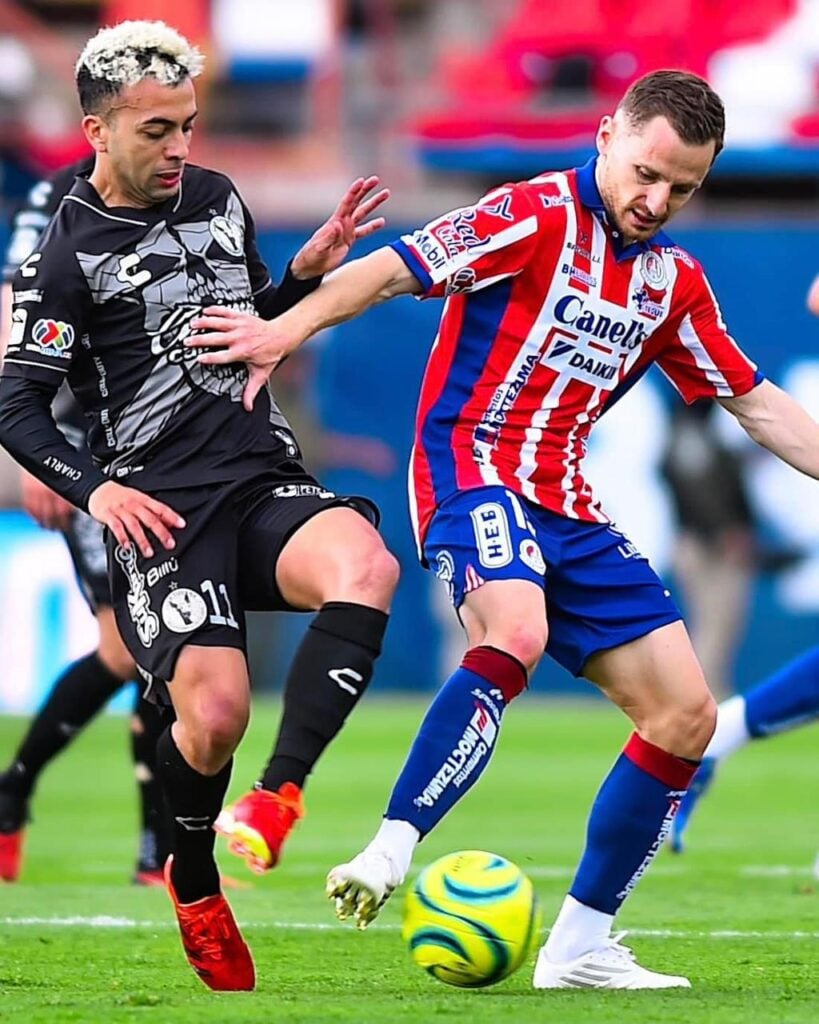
x,y
600,591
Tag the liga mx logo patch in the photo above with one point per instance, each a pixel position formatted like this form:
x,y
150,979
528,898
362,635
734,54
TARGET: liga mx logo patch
x,y
53,337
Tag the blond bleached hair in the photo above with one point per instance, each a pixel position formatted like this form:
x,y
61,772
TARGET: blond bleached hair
x,y
126,53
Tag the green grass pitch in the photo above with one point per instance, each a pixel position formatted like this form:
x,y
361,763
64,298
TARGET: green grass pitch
x,y
738,913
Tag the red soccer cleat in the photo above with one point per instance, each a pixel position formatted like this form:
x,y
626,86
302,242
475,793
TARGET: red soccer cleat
x,y
149,877
258,823
212,941
11,855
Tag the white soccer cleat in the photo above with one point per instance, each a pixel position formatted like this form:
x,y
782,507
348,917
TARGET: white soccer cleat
x,y
611,966
361,887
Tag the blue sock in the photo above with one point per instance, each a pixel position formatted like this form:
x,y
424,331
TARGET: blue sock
x,y
630,819
785,700
456,738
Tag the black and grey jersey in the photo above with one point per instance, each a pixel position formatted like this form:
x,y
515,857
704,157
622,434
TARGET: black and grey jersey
x,y
106,302
27,226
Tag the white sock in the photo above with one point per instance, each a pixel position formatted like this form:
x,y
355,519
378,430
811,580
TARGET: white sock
x,y
731,732
398,839
577,930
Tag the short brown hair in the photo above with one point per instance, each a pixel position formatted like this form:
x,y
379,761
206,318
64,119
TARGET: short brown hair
x,y
685,100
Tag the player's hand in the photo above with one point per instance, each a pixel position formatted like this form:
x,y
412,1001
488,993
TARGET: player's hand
x,y
242,338
329,246
44,505
126,512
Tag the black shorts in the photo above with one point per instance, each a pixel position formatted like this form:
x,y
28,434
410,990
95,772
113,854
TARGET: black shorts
x,y
223,565
86,545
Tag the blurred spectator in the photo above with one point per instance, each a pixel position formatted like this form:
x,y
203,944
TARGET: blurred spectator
x,y
715,552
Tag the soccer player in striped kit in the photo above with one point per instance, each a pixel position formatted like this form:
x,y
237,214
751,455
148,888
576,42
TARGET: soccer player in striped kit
x,y
559,293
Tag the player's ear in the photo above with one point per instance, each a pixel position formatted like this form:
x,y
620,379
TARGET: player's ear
x,y
604,133
96,131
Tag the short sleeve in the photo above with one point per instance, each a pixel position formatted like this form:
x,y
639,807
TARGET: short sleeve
x,y
702,360
51,302
475,246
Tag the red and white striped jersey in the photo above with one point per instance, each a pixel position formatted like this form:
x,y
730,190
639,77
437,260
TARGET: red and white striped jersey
x,y
546,315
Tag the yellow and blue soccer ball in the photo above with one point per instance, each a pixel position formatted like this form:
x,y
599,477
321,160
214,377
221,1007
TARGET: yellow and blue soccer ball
x,y
471,919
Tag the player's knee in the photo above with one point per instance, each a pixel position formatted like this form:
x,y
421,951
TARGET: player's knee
x,y
368,575
524,641
686,730
219,725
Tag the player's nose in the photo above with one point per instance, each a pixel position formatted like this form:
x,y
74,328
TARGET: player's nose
x,y
657,197
177,146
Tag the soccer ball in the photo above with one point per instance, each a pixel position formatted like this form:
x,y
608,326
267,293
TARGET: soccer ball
x,y
471,918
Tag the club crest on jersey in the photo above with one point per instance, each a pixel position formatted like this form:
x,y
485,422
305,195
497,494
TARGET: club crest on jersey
x,y
228,234
183,610
53,337
652,271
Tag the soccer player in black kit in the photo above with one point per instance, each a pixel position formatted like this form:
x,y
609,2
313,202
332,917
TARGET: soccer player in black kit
x,y
86,685
209,510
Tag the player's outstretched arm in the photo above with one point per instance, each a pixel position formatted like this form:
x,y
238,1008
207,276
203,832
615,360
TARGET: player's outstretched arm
x,y
329,246
127,512
779,423
263,344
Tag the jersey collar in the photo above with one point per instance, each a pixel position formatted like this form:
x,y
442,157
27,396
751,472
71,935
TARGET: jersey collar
x,y
590,197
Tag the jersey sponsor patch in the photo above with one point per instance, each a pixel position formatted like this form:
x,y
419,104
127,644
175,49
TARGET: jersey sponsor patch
x,y
144,618
301,491
492,534
475,744
52,338
183,610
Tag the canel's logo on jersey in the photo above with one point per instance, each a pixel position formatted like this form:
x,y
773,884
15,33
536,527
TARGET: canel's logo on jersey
x,y
606,326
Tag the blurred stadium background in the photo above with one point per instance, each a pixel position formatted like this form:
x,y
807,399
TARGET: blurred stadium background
x,y
443,98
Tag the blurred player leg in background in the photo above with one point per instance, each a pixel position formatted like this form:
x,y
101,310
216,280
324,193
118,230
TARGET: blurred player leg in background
x,y
784,701
715,551
79,694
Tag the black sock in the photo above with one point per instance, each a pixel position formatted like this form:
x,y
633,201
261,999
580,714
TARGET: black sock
x,y
331,670
79,694
194,801
147,725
